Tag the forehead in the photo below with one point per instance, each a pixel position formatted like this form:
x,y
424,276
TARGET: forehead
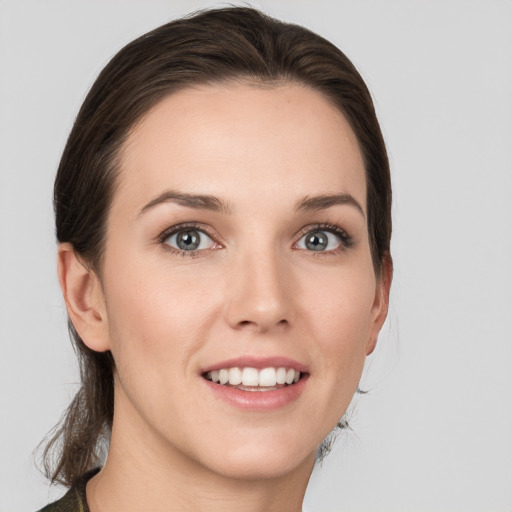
x,y
241,140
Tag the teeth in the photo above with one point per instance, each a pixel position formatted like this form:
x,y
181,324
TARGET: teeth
x,y
281,376
251,377
235,376
290,375
223,376
267,377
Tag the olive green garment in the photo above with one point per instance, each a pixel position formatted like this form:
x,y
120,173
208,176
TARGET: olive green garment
x,y
74,500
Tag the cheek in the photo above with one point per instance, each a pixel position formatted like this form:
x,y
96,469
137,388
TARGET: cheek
x,y
157,316
154,333
342,306
342,317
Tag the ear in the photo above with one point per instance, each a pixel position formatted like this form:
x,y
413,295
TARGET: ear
x,y
381,302
84,298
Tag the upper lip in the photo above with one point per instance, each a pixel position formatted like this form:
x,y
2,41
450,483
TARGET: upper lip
x,y
258,363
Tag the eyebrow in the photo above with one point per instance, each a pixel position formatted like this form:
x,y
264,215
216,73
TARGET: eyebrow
x,y
324,201
213,203
198,201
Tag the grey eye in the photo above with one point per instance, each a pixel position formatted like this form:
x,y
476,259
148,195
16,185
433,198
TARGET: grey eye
x,y
189,240
319,240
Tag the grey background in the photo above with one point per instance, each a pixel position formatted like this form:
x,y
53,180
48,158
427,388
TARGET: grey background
x,y
435,433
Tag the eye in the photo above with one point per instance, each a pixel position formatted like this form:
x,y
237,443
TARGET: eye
x,y
189,240
320,240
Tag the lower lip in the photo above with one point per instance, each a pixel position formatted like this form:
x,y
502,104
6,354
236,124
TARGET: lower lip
x,y
259,400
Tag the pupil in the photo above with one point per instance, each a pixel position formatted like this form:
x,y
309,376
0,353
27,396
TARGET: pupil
x,y
316,241
188,240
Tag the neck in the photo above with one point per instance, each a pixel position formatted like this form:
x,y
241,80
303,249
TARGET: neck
x,y
143,472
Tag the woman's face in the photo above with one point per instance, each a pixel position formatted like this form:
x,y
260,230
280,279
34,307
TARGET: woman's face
x,y
237,248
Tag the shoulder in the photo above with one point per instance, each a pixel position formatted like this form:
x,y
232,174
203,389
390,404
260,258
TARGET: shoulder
x,y
71,502
74,500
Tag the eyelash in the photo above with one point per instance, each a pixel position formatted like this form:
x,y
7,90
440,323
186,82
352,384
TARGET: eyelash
x,y
346,241
185,227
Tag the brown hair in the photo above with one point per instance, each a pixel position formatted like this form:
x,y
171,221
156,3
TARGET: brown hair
x,y
232,44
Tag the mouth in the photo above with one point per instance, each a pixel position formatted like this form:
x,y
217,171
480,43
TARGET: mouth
x,y
263,384
254,379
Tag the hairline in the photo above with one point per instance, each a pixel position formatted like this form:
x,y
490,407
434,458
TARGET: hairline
x,y
237,79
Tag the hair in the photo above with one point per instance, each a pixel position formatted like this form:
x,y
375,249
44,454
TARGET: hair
x,y
237,44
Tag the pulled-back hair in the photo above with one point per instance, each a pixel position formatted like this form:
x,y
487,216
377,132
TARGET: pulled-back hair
x,y
224,45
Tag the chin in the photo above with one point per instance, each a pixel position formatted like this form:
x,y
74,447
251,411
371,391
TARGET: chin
x,y
261,460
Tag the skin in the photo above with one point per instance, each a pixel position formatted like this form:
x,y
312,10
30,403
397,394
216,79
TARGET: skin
x,y
254,289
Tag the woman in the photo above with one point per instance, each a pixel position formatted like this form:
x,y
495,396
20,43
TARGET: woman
x,y
223,217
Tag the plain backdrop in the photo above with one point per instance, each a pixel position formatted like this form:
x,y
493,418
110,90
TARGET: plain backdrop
x,y
435,432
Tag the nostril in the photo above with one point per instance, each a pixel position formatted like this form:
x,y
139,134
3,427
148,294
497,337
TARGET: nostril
x,y
260,326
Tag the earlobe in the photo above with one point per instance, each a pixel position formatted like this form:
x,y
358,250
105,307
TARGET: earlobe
x,y
84,299
381,302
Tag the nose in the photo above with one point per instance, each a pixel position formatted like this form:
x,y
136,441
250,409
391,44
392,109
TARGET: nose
x,y
261,293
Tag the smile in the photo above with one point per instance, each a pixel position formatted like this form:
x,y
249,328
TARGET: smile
x,y
261,384
252,379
